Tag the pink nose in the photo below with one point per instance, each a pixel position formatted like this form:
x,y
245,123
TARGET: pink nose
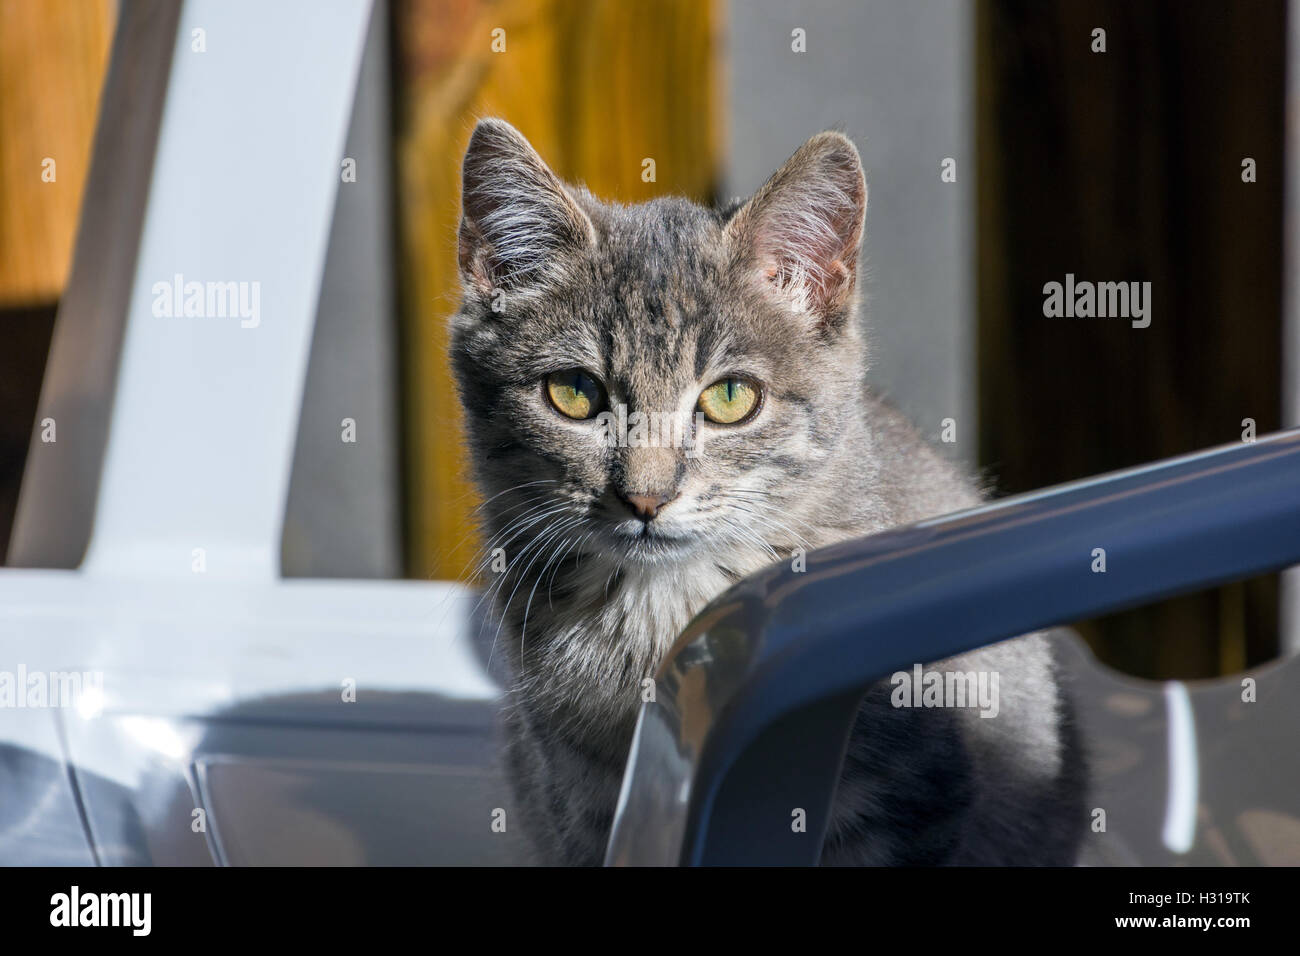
x,y
646,507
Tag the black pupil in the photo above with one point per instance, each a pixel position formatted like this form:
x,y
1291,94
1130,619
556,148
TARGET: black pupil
x,y
731,390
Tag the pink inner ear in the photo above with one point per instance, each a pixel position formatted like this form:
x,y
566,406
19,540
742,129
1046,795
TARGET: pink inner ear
x,y
827,284
810,256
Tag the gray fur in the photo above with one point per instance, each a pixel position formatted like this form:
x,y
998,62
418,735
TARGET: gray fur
x,y
660,300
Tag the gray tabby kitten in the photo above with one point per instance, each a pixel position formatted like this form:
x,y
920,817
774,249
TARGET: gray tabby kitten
x,y
746,316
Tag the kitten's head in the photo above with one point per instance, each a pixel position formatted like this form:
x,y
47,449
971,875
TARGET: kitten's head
x,y
735,327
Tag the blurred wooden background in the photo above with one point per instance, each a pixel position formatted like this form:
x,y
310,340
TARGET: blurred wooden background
x,y
1123,166
52,60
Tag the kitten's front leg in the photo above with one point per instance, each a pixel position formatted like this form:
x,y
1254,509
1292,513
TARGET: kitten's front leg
x,y
904,790
565,797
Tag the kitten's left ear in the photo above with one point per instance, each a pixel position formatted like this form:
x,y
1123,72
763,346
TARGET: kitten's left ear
x,y
799,234
517,219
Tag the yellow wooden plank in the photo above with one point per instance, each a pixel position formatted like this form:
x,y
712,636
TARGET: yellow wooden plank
x,y
53,55
597,86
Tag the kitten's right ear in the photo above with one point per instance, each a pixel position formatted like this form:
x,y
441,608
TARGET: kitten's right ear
x,y
799,234
516,216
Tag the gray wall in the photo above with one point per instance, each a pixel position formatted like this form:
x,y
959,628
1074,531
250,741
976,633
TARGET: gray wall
x,y
899,79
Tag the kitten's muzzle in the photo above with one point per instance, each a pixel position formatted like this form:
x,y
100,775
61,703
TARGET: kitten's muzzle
x,y
645,506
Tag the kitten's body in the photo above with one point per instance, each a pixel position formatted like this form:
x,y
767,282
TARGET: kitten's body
x,y
658,299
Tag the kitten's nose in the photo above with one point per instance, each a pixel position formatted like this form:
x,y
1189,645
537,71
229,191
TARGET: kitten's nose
x,y
646,506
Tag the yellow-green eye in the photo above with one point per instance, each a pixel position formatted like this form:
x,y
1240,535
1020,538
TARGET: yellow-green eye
x,y
728,401
575,393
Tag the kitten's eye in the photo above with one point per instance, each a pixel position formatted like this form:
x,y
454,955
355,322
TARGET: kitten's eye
x,y
575,393
729,401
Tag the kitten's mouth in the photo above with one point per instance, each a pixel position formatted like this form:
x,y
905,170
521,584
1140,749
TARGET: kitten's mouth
x,y
648,540
644,531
